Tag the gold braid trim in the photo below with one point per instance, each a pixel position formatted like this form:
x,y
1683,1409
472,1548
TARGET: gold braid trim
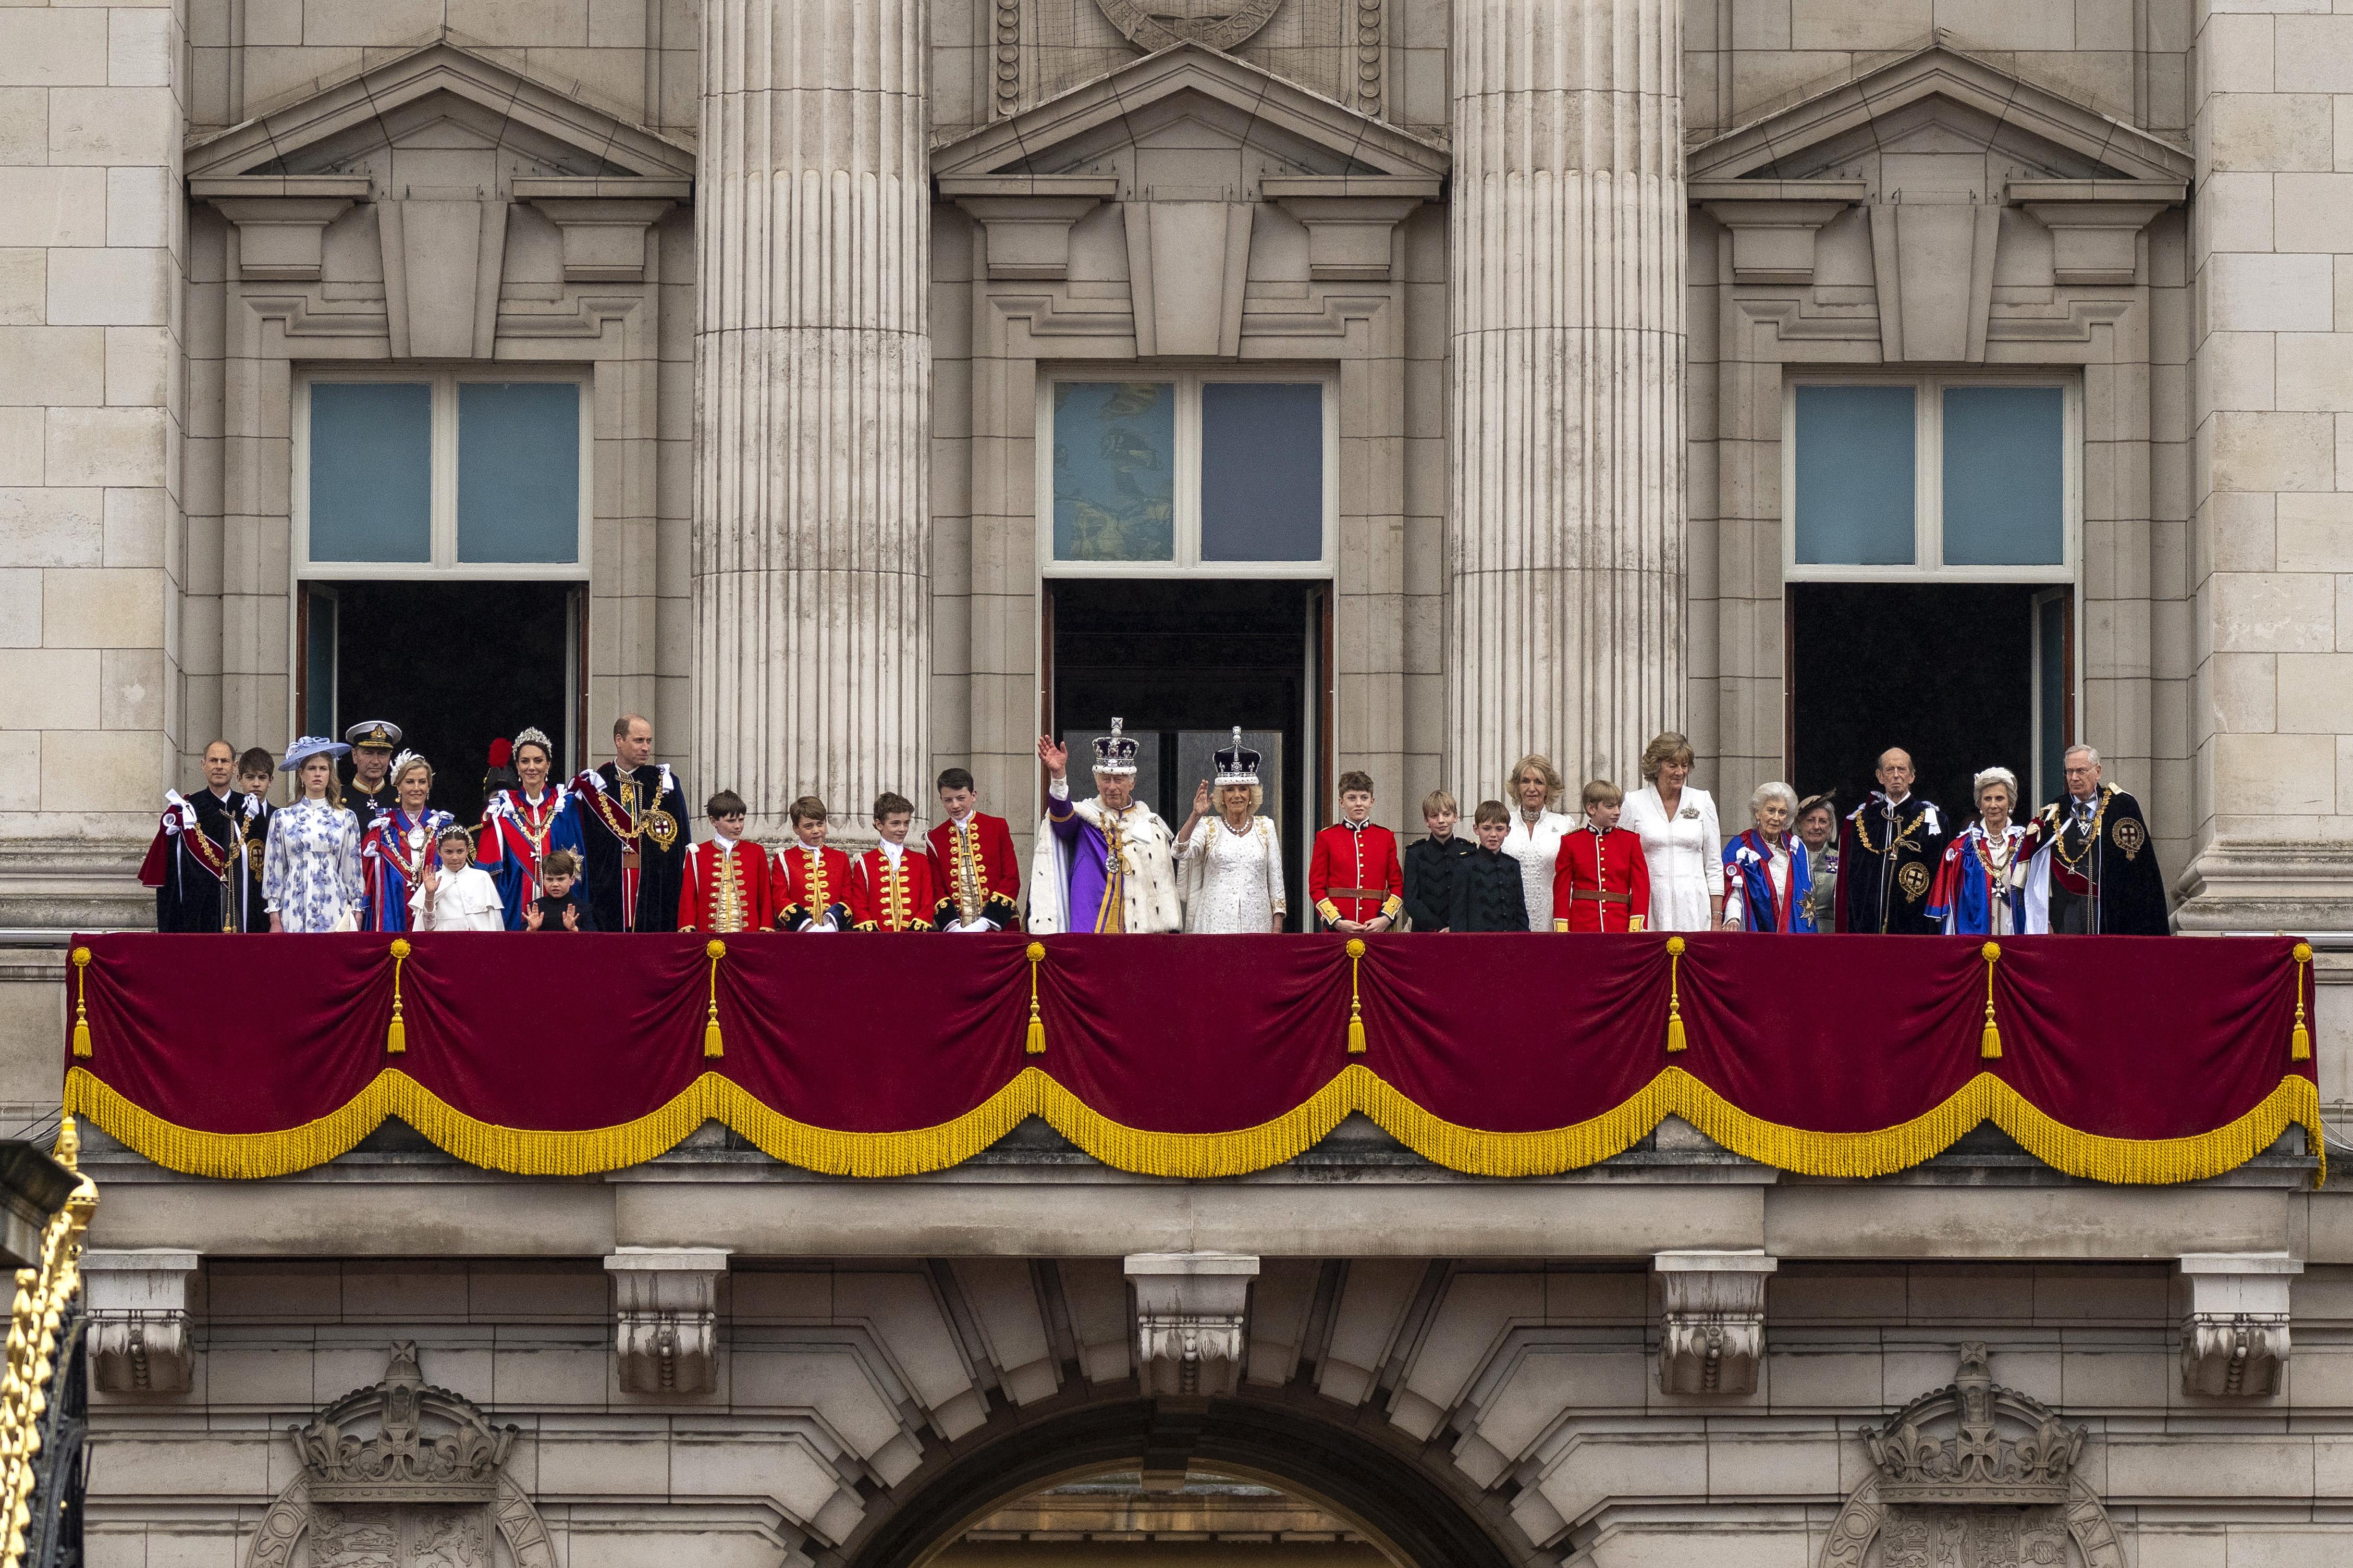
x,y
1673,1092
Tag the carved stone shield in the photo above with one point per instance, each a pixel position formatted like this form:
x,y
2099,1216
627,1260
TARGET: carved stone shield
x,y
1213,23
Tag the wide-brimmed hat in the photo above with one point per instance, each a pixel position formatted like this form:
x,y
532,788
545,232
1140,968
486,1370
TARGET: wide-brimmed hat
x,y
305,747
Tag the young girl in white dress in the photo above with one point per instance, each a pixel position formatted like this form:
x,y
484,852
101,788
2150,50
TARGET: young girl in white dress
x,y
1230,866
1680,841
310,862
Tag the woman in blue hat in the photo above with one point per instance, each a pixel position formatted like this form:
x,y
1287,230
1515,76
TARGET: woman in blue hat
x,y
311,864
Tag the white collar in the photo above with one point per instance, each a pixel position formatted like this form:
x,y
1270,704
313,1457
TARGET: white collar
x,y
892,850
965,820
724,843
806,847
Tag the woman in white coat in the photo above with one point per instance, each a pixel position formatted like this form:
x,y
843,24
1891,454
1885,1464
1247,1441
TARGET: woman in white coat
x,y
1680,841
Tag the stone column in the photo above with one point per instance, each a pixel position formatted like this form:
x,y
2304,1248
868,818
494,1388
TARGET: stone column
x,y
812,540
1566,554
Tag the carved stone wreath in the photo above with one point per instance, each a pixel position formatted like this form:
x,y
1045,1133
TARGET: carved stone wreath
x,y
1212,23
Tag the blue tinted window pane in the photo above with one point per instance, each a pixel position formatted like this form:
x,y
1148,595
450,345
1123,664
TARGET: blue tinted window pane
x,y
518,470
1115,470
2005,476
1855,476
1261,471
371,472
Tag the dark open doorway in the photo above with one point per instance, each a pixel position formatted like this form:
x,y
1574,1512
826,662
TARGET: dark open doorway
x,y
1956,674
1182,663
454,665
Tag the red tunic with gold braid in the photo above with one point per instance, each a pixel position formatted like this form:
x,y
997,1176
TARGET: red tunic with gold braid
x,y
1600,882
813,885
1354,874
973,864
726,889
889,897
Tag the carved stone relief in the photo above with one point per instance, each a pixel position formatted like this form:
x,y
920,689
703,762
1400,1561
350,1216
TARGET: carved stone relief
x,y
402,1475
1974,1475
1214,24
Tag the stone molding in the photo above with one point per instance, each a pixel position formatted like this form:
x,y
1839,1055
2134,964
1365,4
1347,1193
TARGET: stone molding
x,y
2234,1332
1190,1309
1351,220
138,1301
1027,217
2096,225
2243,885
1711,1319
605,221
1773,222
281,219
666,1317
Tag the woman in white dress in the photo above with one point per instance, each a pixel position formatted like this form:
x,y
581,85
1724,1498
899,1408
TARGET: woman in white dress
x,y
310,862
1230,866
1534,841
1680,841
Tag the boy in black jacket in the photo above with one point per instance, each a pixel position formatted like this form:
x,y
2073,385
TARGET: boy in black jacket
x,y
1430,865
559,906
1489,892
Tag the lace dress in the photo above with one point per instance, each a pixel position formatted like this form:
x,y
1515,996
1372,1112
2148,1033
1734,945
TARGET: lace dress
x,y
310,867
1536,847
1233,882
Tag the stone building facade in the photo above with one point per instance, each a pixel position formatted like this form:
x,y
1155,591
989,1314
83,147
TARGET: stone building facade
x,y
858,387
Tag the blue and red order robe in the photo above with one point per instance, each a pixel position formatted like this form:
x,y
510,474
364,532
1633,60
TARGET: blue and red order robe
x,y
1748,874
1961,897
391,865
517,835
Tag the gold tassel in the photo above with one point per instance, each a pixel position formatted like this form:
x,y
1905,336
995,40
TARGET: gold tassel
x,y
1035,1044
1989,1043
81,999
395,1038
1356,998
2299,1039
716,949
1675,1038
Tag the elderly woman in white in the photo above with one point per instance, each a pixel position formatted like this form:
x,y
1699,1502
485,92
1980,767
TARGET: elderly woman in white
x,y
1229,864
1534,841
1680,841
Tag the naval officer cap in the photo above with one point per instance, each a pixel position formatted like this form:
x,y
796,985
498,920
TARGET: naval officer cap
x,y
373,732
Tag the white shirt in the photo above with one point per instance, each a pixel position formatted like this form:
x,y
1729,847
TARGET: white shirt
x,y
465,901
1536,847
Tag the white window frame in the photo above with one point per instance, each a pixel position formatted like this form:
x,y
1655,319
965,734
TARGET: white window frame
x,y
1188,562
443,559
1929,478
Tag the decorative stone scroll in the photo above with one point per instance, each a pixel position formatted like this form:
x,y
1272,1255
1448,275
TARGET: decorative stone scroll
x,y
1190,1309
1974,1475
1711,1319
2234,1336
666,1317
138,1306
402,1475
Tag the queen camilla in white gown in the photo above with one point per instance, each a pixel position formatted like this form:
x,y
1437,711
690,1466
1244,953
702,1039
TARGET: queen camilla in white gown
x,y
1230,863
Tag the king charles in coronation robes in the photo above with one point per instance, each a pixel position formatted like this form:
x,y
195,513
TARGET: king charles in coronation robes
x,y
891,890
974,869
1600,882
632,827
725,886
196,864
812,888
1888,854
517,832
2091,868
1100,868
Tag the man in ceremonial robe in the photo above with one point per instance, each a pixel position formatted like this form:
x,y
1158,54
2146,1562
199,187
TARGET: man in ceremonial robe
x,y
2090,867
1355,879
633,824
1889,848
972,861
193,863
371,791
1108,864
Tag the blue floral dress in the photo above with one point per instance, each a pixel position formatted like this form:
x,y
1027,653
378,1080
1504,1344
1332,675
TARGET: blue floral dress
x,y
310,866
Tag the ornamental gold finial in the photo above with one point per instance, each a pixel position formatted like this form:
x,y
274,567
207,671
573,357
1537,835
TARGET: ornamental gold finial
x,y
69,1148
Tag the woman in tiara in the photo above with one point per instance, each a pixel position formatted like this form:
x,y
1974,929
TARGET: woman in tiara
x,y
521,825
310,862
1979,890
1228,865
399,845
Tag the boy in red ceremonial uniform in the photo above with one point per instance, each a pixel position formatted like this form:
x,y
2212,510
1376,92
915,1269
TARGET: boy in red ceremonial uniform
x,y
1600,880
890,886
972,862
726,888
1354,878
813,889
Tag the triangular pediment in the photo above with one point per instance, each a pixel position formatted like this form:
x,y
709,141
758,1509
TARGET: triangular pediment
x,y
439,97
1141,120
1936,103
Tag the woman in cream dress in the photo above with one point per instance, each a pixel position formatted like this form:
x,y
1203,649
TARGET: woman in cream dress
x,y
1534,841
1680,840
1229,864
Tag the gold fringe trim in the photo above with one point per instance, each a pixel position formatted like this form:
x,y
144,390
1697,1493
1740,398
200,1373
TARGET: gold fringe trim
x,y
1673,1092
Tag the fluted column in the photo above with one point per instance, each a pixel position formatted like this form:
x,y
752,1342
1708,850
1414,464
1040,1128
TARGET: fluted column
x,y
1565,550
812,539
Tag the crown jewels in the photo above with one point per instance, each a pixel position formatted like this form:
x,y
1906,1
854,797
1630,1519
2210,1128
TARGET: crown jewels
x,y
456,1462
1114,752
1238,764
1977,1464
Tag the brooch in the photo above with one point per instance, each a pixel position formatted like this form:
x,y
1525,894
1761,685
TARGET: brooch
x,y
1691,811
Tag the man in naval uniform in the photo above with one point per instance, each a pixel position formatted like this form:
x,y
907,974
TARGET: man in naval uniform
x,y
369,795
634,817
2090,867
193,863
1107,863
1888,850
